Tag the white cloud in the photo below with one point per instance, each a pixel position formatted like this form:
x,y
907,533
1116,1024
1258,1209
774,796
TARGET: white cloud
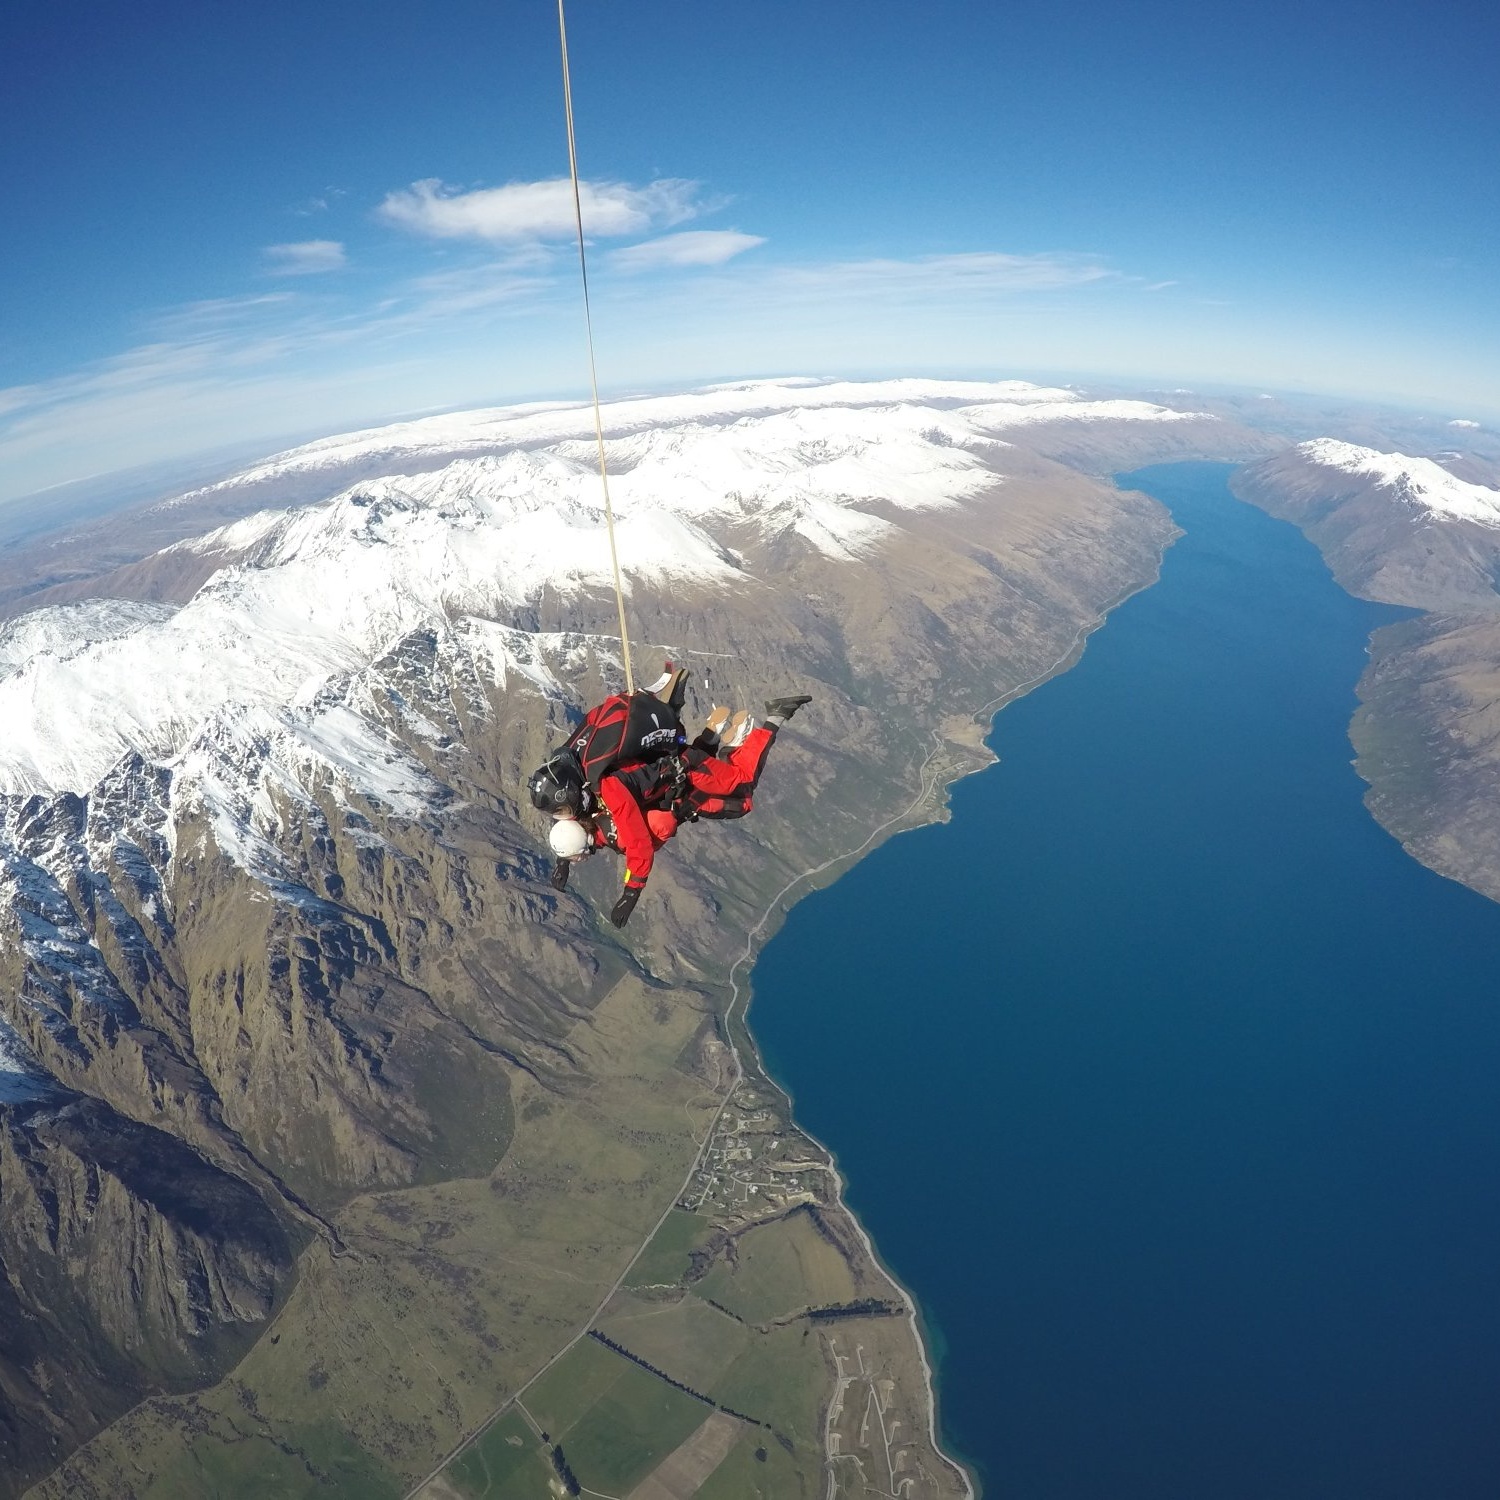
x,y
693,247
466,289
305,258
539,210
320,203
1462,422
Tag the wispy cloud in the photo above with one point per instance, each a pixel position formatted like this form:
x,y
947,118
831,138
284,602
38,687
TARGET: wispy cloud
x,y
972,274
540,210
320,203
692,247
228,370
467,289
192,319
305,258
980,270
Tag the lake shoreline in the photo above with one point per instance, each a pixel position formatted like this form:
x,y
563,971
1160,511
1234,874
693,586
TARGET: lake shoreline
x,y
928,807
1134,1065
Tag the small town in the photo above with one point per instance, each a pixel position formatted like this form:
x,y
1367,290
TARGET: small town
x,y
756,1165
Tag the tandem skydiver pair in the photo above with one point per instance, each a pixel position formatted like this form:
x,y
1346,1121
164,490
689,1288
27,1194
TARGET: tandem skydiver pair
x,y
627,777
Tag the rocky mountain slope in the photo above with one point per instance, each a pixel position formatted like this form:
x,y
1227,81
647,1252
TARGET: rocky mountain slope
x,y
1418,532
274,935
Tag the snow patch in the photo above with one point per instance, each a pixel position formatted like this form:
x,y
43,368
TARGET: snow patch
x,y
539,424
998,415
63,630
247,764
21,1078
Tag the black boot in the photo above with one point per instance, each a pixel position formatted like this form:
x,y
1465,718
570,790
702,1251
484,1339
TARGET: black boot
x,y
671,686
779,710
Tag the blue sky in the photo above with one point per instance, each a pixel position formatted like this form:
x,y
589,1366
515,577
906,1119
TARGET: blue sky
x,y
234,224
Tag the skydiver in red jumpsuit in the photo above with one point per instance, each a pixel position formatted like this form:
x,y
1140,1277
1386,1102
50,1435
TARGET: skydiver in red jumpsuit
x,y
641,802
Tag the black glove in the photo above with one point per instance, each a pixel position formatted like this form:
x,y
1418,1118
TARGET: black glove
x,y
560,875
625,905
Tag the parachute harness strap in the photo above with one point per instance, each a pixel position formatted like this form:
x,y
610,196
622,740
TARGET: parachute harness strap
x,y
588,323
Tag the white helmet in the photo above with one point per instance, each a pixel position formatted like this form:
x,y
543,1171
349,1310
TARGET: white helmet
x,y
568,838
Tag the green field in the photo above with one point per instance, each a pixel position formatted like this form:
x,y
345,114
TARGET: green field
x,y
508,1461
571,1386
781,1268
664,1262
743,1476
614,1420
692,1342
781,1378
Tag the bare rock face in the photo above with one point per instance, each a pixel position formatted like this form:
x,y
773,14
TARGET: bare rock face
x,y
279,950
220,1046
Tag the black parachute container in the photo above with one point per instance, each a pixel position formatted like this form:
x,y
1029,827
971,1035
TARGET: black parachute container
x,y
624,728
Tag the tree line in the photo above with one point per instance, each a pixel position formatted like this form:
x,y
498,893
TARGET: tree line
x,y
864,1307
686,1390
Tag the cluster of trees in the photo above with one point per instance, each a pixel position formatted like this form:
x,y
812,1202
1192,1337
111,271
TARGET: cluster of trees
x,y
864,1307
569,1479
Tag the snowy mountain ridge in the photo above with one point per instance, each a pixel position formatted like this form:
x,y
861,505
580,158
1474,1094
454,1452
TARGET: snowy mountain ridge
x,y
271,694
69,628
308,595
1417,483
1003,403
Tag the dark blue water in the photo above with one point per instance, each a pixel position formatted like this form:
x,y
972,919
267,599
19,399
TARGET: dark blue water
x,y
1168,1082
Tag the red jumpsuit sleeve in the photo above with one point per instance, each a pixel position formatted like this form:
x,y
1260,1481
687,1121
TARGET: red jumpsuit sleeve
x,y
630,830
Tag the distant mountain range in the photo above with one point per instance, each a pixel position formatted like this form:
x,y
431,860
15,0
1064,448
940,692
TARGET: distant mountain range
x,y
1422,532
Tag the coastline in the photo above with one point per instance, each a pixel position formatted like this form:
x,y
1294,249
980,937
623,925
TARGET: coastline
x,y
1418,1022
735,1014
1425,685
756,938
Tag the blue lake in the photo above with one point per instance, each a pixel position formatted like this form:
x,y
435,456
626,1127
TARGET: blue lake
x,y
1166,1080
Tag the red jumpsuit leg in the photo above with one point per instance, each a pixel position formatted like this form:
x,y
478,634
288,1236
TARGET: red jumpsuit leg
x,y
741,770
723,788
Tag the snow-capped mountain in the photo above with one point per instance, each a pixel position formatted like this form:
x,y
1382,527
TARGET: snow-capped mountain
x,y
1419,484
998,404
270,896
703,486
1393,527
1406,530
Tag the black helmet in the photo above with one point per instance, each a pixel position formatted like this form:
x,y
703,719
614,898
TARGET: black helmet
x,y
558,786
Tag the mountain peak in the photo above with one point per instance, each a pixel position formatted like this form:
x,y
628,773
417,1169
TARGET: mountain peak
x,y
1419,483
